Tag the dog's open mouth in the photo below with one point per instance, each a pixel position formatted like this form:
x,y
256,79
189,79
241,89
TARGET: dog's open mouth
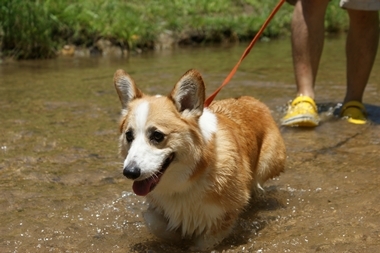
x,y
145,186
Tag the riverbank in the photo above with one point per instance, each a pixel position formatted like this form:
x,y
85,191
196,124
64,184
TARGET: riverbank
x,y
45,29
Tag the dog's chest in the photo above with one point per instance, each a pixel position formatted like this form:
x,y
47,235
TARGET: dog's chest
x,y
190,213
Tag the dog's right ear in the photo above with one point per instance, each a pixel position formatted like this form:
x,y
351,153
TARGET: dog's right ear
x,y
189,93
125,87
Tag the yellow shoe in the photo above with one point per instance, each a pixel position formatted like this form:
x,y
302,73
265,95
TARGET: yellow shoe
x,y
354,112
302,112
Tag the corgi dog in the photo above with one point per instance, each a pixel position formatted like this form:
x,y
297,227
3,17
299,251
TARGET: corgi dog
x,y
197,166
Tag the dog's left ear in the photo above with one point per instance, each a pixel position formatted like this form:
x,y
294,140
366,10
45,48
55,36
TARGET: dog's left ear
x,y
125,87
189,93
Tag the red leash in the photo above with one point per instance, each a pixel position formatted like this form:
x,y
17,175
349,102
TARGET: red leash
x,y
246,52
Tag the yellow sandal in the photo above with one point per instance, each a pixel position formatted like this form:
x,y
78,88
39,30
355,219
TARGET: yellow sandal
x,y
354,112
302,112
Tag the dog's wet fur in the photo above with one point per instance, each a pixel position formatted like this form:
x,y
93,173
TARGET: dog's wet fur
x,y
197,166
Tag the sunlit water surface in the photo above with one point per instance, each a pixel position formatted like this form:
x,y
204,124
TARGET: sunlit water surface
x,y
61,179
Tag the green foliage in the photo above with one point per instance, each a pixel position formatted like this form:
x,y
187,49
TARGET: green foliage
x,y
336,20
37,28
26,29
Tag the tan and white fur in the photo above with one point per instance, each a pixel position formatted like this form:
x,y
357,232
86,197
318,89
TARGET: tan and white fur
x,y
197,166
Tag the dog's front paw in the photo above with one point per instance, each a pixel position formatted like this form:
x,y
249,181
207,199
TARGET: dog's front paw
x,y
195,248
157,225
204,243
210,241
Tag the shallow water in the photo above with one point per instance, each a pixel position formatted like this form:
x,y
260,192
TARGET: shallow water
x,y
61,180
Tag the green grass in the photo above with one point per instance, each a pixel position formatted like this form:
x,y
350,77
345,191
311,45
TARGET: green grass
x,y
38,28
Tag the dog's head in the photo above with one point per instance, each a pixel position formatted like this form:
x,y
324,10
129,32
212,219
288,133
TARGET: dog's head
x,y
161,135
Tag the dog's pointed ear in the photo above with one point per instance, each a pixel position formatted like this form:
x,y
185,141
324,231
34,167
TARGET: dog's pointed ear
x,y
125,87
189,93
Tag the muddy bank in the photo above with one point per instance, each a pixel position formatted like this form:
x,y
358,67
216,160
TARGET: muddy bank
x,y
167,40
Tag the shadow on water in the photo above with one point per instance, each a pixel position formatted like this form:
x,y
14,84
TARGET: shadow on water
x,y
373,113
327,110
61,179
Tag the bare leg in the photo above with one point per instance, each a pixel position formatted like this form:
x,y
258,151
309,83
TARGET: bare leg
x,y
361,48
307,42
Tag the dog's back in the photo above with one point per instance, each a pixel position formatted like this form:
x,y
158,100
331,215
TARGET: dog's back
x,y
256,135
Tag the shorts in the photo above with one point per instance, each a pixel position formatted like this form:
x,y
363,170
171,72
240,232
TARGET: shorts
x,y
363,5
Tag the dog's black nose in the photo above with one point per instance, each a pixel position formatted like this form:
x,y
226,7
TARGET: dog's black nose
x,y
132,172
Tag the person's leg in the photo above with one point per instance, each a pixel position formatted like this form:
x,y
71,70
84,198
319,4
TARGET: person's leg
x,y
307,42
361,49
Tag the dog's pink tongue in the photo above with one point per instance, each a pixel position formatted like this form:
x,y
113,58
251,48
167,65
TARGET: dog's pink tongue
x,y
143,187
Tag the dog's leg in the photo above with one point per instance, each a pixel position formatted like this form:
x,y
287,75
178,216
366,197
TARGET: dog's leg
x,y
212,238
272,157
208,242
158,225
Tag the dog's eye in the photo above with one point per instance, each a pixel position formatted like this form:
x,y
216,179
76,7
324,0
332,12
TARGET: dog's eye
x,y
157,136
129,136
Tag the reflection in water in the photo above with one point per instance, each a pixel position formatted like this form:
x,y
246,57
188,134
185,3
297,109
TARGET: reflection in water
x,y
61,180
